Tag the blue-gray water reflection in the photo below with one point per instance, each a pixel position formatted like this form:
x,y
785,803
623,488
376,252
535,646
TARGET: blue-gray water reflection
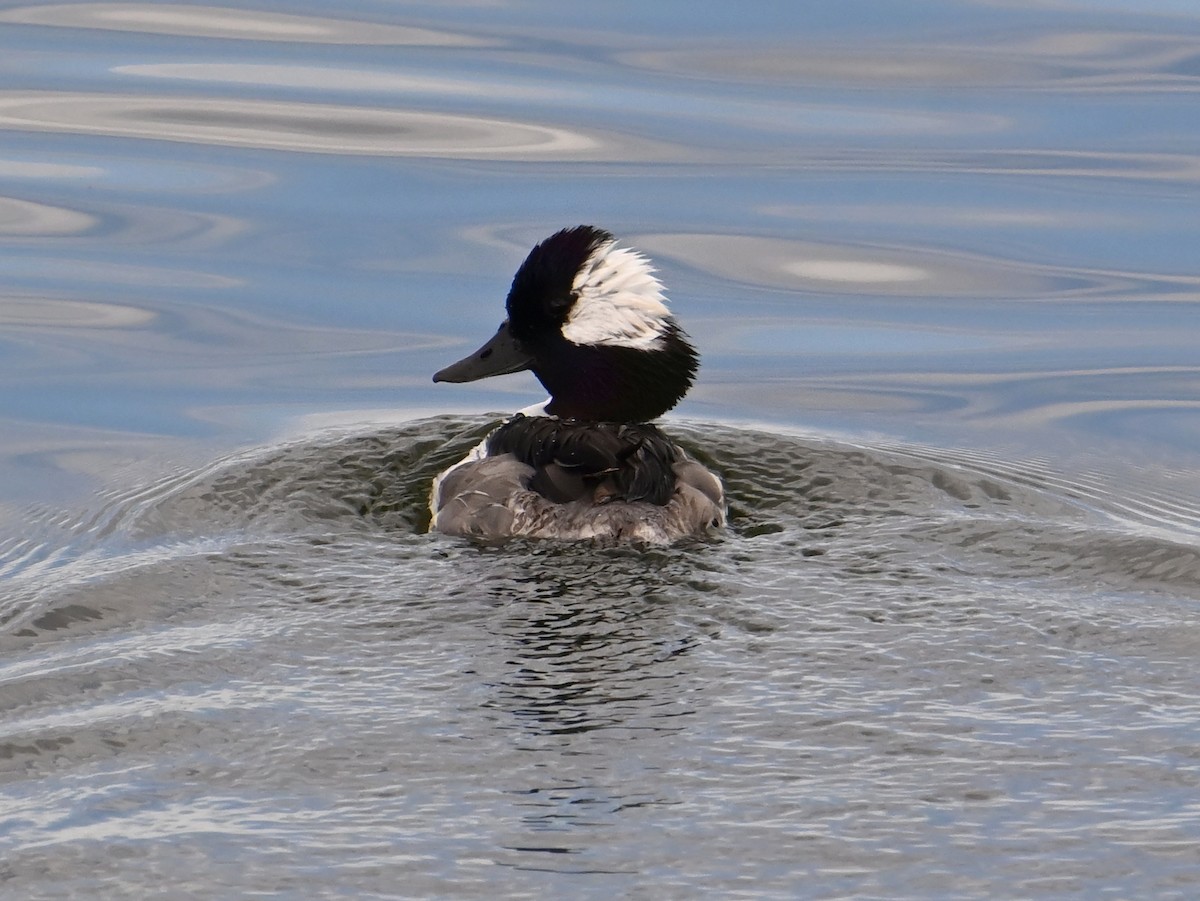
x,y
941,267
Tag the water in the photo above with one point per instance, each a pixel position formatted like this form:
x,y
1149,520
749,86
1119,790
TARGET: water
x,y
940,263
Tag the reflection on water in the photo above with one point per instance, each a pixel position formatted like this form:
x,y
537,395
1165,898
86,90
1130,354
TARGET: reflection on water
x,y
1076,61
223,22
915,628
810,267
21,217
276,125
55,314
947,266
313,78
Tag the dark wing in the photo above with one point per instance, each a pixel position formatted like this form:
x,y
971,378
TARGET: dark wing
x,y
604,461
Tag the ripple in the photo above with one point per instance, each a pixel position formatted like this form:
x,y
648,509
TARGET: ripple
x,y
303,127
849,269
821,65
44,312
326,78
26,218
1167,505
1152,166
1058,164
179,228
844,499
863,272
40,169
790,338
1062,61
202,345
223,22
941,216
141,175
113,223
897,271
92,271
880,633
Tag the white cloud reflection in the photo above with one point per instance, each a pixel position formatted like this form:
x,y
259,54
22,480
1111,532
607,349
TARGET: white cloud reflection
x,y
813,267
1063,60
25,218
52,313
279,125
818,267
237,24
337,78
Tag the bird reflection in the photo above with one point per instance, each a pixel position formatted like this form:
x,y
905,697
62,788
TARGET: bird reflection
x,y
593,642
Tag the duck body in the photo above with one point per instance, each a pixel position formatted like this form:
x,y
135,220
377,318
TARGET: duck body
x,y
589,319
545,477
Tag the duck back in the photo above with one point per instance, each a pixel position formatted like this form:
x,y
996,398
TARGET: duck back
x,y
545,477
574,460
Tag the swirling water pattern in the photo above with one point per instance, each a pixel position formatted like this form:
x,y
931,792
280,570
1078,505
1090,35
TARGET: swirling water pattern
x,y
943,276
919,659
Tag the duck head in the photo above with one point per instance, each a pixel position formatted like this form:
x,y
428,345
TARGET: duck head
x,y
590,320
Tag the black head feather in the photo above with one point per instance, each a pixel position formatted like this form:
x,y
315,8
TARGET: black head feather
x,y
595,382
542,291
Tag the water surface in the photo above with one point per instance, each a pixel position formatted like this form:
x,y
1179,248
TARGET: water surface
x,y
940,262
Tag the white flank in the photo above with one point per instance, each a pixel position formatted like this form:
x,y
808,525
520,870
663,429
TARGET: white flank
x,y
477,453
620,302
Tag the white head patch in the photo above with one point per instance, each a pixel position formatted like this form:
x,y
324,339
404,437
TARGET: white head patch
x,y
619,301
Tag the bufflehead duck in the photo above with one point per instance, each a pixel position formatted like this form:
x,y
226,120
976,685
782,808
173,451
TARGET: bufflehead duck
x,y
590,320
